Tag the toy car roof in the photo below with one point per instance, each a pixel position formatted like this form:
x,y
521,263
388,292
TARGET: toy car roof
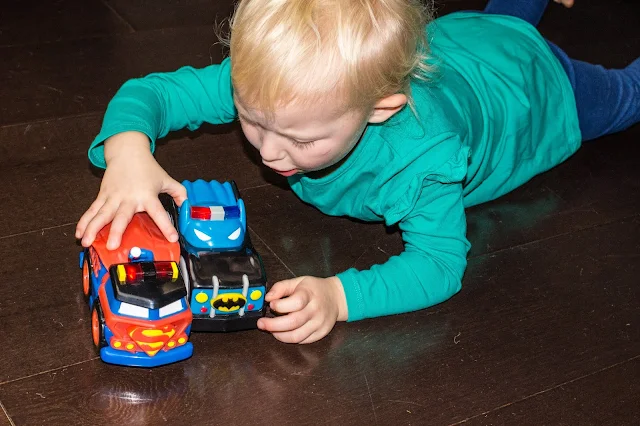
x,y
141,232
213,193
229,267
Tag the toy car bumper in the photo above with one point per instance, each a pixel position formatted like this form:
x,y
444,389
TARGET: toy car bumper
x,y
140,359
224,323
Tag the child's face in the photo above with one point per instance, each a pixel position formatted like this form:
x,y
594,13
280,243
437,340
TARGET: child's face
x,y
302,138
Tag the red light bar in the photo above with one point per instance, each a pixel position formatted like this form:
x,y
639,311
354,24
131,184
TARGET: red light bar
x,y
215,212
201,213
131,273
166,271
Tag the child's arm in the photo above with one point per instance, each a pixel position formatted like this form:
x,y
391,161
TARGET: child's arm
x,y
427,272
142,111
164,102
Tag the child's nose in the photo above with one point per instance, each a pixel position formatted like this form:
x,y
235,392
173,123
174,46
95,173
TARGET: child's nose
x,y
270,149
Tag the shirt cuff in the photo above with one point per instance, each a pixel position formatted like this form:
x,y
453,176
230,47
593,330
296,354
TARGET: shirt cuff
x,y
353,294
96,150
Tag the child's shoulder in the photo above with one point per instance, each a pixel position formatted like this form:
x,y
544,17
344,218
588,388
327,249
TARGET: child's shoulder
x,y
422,126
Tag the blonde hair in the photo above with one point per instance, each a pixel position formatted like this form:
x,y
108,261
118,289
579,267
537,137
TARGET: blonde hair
x,y
354,51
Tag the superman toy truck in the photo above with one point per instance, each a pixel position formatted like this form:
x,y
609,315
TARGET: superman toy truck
x,y
224,275
140,316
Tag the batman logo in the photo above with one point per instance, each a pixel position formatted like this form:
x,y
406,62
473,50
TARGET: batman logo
x,y
229,302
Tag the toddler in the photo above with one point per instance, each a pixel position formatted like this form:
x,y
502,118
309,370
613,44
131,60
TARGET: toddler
x,y
373,112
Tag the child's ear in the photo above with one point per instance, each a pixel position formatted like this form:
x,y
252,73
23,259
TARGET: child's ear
x,y
385,108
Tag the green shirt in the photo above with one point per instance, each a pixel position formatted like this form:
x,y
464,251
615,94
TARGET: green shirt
x,y
500,111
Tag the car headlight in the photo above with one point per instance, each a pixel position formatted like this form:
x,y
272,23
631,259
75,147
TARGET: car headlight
x,y
235,234
133,310
201,235
171,308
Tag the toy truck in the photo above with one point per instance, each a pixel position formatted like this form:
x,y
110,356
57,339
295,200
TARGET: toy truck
x,y
139,311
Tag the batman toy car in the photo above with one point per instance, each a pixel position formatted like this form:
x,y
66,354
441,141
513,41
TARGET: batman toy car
x,y
224,275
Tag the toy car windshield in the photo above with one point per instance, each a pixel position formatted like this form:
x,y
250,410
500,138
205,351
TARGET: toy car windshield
x,y
150,285
228,268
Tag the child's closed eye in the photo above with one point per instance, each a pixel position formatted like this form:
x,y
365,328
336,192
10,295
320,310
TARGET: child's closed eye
x,y
302,144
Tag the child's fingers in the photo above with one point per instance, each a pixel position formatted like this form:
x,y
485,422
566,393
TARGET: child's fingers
x,y
283,288
176,190
296,336
102,217
316,335
282,323
119,225
296,301
161,218
88,216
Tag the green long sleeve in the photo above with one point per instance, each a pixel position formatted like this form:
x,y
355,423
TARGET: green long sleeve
x,y
163,102
430,269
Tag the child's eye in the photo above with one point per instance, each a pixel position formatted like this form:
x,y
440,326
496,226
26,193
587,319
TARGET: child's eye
x,y
302,145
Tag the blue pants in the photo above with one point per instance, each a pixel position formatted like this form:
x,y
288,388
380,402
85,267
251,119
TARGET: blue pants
x,y
608,100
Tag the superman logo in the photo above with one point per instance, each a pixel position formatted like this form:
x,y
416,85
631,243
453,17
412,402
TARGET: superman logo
x,y
151,340
229,302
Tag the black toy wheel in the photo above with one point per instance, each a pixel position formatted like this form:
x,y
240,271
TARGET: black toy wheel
x,y
185,275
86,274
97,326
170,207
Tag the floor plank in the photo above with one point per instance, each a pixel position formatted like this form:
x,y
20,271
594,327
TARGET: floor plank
x,y
41,86
154,14
4,420
32,21
609,397
527,318
513,331
590,188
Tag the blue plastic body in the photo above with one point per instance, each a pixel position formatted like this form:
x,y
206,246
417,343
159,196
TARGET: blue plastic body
x,y
140,359
212,235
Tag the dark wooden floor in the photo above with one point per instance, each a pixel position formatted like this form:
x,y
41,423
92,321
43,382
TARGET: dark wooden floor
x,y
545,331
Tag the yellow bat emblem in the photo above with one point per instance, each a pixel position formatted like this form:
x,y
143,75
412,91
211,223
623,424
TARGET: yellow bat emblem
x,y
229,302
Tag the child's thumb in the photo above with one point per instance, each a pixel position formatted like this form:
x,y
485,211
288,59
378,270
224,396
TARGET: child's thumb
x,y
176,190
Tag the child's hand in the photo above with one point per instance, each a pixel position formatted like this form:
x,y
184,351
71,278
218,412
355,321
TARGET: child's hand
x,y
312,307
566,3
131,184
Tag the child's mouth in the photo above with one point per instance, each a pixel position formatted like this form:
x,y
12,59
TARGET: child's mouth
x,y
286,173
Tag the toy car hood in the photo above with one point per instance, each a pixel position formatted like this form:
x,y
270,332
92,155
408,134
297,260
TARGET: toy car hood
x,y
225,225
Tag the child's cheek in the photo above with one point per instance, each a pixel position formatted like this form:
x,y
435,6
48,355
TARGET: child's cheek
x,y
318,158
252,136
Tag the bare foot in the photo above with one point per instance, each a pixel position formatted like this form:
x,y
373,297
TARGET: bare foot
x,y
566,3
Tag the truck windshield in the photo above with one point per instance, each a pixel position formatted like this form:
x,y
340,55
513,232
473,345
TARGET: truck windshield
x,y
228,267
